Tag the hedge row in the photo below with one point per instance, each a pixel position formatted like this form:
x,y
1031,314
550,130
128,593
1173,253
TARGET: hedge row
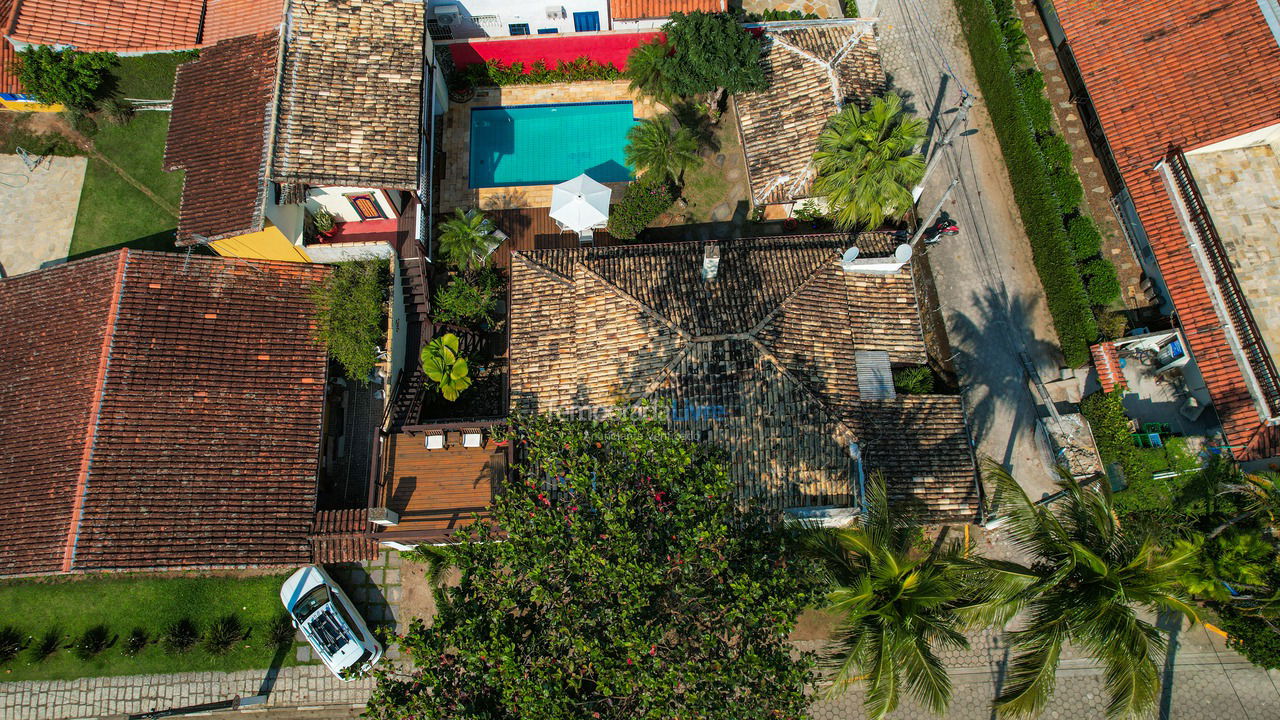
x,y
1046,188
496,73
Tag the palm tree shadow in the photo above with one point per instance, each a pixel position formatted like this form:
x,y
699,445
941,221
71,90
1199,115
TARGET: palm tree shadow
x,y
1171,623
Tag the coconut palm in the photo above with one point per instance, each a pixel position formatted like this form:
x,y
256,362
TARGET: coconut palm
x,y
896,604
466,239
1261,497
1085,582
655,149
867,163
647,71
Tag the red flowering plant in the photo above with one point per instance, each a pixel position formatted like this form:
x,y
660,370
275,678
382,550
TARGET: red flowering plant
x,y
627,584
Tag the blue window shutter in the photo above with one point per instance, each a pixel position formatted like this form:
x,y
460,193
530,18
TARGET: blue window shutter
x,y
547,31
518,28
586,21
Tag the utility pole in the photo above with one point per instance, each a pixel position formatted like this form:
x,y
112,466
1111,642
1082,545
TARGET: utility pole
x,y
927,220
956,123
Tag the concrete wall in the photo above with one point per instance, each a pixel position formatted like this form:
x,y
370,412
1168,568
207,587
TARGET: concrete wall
x,y
334,199
508,12
399,326
1269,135
342,252
288,219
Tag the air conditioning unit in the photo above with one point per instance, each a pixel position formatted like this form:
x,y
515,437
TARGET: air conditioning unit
x,y
447,15
556,12
384,517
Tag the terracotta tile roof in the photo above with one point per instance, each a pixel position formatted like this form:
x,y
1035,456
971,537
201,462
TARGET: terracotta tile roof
x,y
8,79
812,72
160,412
342,536
654,9
762,361
110,25
350,95
1107,362
1177,72
217,132
225,19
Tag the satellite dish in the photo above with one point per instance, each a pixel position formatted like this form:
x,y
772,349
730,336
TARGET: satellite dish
x,y
849,255
902,253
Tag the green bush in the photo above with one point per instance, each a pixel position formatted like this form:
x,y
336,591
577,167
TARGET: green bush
x,y
351,314
47,645
772,15
181,635
91,642
280,632
80,121
1056,151
1110,425
642,202
67,77
496,73
712,51
1086,241
1029,172
1030,87
11,643
1101,281
851,8
223,633
913,380
469,299
1252,636
1066,189
135,642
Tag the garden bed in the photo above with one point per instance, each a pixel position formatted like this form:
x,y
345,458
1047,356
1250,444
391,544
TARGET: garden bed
x,y
122,603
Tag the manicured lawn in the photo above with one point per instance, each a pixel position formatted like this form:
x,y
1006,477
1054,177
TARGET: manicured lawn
x,y
138,148
125,602
148,77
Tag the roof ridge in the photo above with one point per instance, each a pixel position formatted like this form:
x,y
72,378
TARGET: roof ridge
x,y
639,303
541,269
837,418
95,409
764,322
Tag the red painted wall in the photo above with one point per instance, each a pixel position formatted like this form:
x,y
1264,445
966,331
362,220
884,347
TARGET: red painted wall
x,y
602,47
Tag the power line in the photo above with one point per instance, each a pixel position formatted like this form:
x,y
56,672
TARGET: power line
x,y
919,11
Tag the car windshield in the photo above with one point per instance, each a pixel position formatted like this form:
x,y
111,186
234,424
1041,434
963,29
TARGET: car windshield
x,y
311,602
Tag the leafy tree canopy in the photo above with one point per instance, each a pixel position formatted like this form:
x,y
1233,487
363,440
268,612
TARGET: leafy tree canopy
x,y
624,583
67,77
711,51
351,314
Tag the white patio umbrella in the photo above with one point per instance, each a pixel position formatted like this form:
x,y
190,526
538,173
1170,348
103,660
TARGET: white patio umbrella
x,y
580,204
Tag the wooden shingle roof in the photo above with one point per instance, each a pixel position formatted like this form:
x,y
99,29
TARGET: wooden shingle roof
x,y
161,412
813,71
350,95
759,360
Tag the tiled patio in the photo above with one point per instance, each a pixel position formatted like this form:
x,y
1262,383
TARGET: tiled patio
x,y
455,187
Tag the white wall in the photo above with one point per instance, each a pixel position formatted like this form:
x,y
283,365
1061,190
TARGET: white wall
x,y
334,200
1267,135
342,252
288,219
508,12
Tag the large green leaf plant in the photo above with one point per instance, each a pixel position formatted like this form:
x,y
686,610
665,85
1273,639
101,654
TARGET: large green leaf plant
x,y
443,363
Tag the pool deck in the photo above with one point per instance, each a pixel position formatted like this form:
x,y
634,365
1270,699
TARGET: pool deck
x,y
455,190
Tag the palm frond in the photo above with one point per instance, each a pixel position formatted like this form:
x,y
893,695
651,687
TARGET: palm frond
x,y
1032,674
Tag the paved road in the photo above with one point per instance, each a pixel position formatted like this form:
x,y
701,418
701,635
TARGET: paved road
x,y
991,297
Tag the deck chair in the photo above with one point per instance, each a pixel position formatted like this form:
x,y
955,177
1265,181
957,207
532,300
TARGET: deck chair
x,y
435,441
586,237
472,438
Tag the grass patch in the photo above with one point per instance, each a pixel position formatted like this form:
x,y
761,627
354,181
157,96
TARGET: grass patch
x,y
148,77
16,132
705,186
122,603
114,214
138,148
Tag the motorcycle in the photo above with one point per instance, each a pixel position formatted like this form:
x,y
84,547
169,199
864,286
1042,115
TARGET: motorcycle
x,y
945,227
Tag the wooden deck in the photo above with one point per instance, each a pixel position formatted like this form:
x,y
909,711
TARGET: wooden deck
x,y
533,229
436,491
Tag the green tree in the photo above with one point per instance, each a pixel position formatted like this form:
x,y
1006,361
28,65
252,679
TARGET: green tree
x,y
617,579
1086,579
867,163
1239,558
659,152
470,299
67,77
647,68
467,238
712,51
445,366
351,314
896,604
1260,496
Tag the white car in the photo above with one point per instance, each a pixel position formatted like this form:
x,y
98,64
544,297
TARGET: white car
x,y
330,622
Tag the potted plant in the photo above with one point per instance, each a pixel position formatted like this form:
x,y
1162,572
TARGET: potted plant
x,y
442,363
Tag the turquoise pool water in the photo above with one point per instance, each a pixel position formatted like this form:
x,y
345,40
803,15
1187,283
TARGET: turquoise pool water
x,y
548,144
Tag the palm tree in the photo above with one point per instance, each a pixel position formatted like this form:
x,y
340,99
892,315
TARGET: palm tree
x,y
647,71
867,163
895,603
1086,579
1261,496
466,239
655,150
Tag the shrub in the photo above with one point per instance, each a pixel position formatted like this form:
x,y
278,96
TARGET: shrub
x,y
280,631
642,202
1101,280
322,220
1086,241
469,299
913,380
223,633
80,122
445,366
1110,425
11,643
351,314
117,111
1112,325
772,15
851,8
1029,172
1056,151
91,642
1252,636
180,636
68,77
135,642
1066,189
47,645
1030,87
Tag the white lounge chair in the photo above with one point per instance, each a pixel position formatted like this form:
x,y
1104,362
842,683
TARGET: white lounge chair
x,y
472,438
435,441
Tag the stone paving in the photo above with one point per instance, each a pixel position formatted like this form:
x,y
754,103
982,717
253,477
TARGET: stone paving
x,y
821,8
37,211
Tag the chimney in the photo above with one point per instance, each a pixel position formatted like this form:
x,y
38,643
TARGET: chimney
x,y
710,261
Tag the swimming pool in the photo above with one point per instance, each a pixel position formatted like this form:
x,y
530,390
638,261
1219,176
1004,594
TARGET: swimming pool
x,y
548,144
